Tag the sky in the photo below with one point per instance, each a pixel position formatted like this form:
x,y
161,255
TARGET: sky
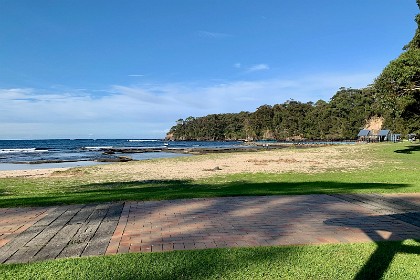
x,y
130,69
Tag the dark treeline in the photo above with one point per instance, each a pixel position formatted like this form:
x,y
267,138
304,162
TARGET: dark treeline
x,y
394,96
340,118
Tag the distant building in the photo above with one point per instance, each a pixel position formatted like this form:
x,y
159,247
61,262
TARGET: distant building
x,y
395,137
379,136
364,134
384,135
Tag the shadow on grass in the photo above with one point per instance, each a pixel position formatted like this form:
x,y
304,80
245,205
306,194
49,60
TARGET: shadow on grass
x,y
219,264
409,149
382,257
245,263
178,189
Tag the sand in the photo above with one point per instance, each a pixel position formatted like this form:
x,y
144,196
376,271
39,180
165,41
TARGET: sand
x,y
311,160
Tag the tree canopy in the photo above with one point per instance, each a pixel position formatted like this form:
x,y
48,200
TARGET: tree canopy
x,y
341,118
398,88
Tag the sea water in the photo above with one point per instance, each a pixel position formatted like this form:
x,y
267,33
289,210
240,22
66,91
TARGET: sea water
x,y
50,153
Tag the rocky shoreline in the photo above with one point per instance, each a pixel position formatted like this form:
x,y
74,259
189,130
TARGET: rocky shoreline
x,y
192,151
121,154
245,147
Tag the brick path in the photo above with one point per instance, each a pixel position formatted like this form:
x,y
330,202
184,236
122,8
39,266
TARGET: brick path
x,y
83,230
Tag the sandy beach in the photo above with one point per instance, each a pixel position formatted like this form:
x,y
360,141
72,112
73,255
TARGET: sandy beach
x,y
309,160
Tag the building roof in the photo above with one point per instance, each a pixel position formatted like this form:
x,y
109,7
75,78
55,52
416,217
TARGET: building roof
x,y
383,132
364,132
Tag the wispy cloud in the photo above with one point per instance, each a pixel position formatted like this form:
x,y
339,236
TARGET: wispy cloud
x,y
258,67
147,110
237,65
13,94
212,35
136,75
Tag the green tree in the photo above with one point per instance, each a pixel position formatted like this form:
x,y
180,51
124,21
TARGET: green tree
x,y
398,88
261,120
415,42
350,108
318,121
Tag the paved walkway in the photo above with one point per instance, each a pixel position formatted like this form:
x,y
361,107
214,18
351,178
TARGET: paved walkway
x,y
34,234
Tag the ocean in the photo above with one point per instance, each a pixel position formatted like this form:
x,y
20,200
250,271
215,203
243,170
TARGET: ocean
x,y
49,153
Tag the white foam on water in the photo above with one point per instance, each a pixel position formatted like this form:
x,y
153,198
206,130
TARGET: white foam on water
x,y
26,150
140,140
96,148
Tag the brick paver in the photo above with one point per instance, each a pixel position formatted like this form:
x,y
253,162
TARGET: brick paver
x,y
261,221
81,230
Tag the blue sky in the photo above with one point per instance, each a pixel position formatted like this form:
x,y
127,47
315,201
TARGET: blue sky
x,y
130,69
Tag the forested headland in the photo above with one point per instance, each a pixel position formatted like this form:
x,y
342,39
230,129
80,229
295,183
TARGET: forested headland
x,y
393,98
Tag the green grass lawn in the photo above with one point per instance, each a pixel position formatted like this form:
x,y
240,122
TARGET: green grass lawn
x,y
386,260
396,169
